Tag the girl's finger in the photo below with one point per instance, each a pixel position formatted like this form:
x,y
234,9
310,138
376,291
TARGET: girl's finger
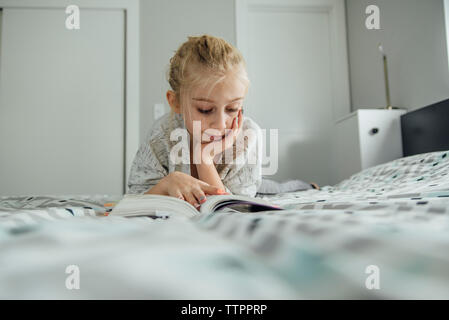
x,y
208,189
236,122
199,195
191,199
240,118
236,130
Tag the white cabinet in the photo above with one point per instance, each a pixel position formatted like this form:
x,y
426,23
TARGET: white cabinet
x,y
365,138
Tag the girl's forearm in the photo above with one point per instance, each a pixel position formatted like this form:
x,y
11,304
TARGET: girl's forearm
x,y
208,173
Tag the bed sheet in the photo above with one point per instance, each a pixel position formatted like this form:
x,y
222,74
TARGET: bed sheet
x,y
393,219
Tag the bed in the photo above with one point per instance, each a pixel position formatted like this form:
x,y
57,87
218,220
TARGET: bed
x,y
390,221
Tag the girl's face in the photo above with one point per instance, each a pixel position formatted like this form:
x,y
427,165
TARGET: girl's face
x,y
216,110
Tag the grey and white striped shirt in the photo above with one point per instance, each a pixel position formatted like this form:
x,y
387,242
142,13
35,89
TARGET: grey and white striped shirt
x,y
153,162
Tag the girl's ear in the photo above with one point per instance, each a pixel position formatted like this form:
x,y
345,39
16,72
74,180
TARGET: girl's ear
x,y
173,102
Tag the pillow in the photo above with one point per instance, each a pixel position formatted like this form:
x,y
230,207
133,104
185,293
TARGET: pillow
x,y
418,173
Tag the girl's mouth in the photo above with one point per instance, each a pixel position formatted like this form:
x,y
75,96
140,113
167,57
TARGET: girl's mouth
x,y
210,138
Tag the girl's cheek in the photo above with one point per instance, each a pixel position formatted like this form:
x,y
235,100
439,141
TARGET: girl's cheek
x,y
198,121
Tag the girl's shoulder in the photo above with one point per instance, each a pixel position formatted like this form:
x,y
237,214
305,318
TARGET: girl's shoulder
x,y
249,123
163,126
157,140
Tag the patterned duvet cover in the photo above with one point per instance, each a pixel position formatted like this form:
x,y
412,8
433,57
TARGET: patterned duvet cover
x,y
382,233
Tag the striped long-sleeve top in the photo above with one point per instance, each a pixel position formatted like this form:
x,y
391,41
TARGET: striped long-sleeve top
x,y
166,148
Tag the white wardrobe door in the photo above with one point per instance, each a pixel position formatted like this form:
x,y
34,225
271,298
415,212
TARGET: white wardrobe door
x,y
289,61
292,90
61,103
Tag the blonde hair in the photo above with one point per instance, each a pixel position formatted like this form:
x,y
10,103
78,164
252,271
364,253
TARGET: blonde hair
x,y
201,60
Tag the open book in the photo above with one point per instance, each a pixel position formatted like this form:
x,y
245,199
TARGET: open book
x,y
150,204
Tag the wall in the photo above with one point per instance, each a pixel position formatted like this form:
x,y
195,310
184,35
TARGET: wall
x,y
412,32
165,25
414,38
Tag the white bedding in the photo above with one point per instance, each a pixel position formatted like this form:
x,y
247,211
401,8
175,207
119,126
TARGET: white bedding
x,y
394,217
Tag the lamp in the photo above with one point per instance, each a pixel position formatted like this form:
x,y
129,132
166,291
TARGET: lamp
x,y
387,86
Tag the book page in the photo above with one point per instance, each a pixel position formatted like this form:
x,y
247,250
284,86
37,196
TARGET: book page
x,y
236,203
150,204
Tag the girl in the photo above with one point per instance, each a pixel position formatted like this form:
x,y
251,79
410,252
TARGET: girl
x,y
209,82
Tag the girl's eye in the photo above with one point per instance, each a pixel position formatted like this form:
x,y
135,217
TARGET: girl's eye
x,y
205,111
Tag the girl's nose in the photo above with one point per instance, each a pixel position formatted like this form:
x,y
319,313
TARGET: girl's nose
x,y
220,122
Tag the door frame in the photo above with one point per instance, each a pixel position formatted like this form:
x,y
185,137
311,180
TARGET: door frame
x,y
132,62
341,105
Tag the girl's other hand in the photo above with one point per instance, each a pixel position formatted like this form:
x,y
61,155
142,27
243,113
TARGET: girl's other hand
x,y
183,186
225,143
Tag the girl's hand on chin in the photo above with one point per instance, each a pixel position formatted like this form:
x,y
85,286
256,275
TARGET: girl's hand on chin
x,y
222,144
